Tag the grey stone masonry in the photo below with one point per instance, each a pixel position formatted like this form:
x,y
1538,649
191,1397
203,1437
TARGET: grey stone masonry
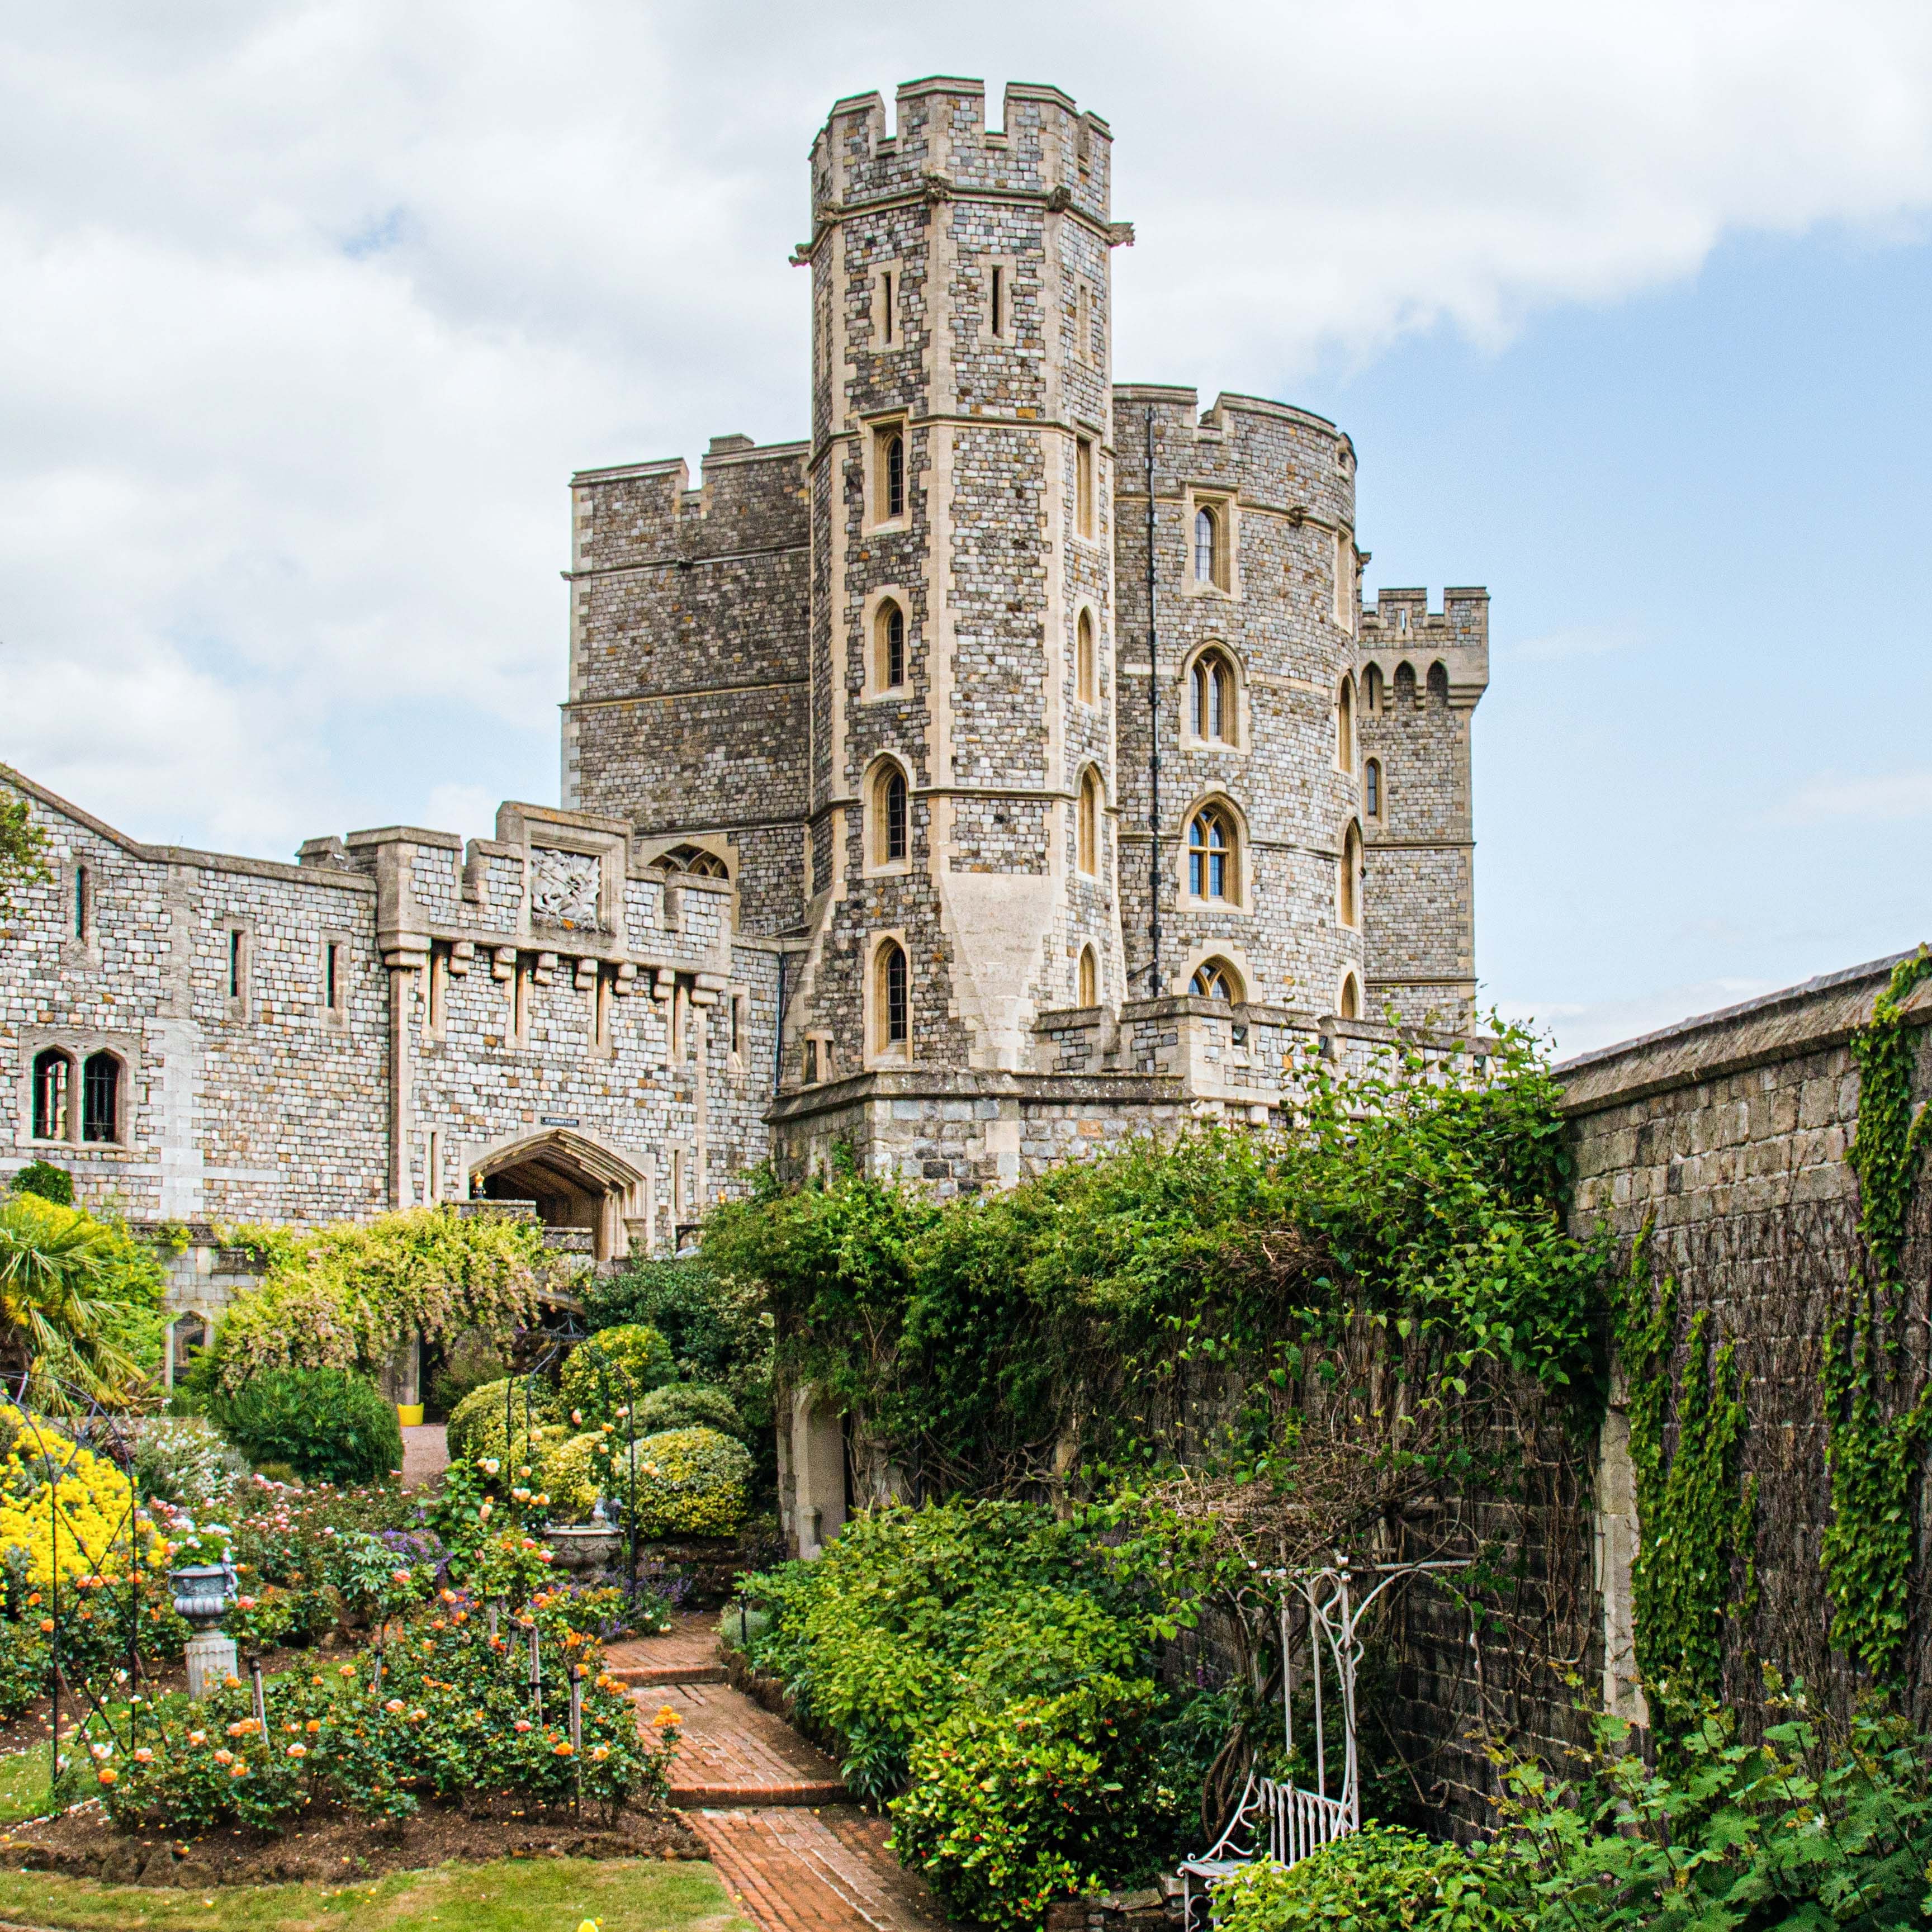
x,y
1422,674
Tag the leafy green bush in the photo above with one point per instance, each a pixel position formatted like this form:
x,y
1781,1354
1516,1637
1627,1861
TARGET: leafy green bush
x,y
1785,1833
690,1482
328,1425
572,1475
50,1182
480,1414
1381,1879
469,1361
1043,1798
687,1405
613,1371
995,1666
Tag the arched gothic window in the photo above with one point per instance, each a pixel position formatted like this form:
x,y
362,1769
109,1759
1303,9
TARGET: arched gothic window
x,y
1345,726
1086,669
1206,547
1090,977
1087,826
694,861
1372,690
1372,788
889,629
894,1015
1211,707
100,1098
1349,885
1348,1006
53,1094
1215,979
891,475
1211,855
889,805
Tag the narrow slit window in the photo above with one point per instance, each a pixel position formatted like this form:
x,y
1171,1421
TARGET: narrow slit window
x,y
996,301
238,963
1349,895
1089,978
1083,325
1087,837
894,1013
1345,727
809,1068
891,475
1083,485
53,1087
1372,788
1349,1006
892,665
887,335
1086,669
332,976
80,902
891,846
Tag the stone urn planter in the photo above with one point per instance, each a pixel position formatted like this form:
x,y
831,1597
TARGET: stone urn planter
x,y
586,1548
204,1593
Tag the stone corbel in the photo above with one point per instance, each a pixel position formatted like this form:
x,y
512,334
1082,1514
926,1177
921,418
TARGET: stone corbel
x,y
709,982
703,996
1059,199
460,955
546,968
627,978
503,963
586,972
667,983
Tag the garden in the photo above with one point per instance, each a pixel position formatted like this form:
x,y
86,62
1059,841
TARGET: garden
x,y
255,1663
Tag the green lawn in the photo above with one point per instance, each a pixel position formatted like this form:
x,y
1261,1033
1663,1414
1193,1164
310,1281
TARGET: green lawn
x,y
23,1784
511,1895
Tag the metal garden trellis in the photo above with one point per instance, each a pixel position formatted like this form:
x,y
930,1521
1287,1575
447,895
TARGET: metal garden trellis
x,y
1290,1821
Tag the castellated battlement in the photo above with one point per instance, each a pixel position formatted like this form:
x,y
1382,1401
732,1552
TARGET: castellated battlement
x,y
747,497
1405,640
1046,149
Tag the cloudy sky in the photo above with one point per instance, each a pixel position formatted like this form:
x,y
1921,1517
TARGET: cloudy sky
x,y
308,310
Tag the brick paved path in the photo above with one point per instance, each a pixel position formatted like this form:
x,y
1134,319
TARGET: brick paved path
x,y
767,1804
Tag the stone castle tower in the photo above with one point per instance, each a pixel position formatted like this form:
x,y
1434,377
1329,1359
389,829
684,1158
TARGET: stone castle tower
x,y
1028,881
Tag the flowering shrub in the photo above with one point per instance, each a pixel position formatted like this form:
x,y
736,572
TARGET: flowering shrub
x,y
342,1297
690,1482
304,1541
44,1472
443,1710
183,1459
512,1567
609,1374
575,1475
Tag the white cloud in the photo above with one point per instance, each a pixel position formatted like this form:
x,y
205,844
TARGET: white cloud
x,y
311,309
1582,1027
1902,795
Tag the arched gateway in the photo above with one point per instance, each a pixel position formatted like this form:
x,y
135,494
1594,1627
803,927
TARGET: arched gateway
x,y
574,1180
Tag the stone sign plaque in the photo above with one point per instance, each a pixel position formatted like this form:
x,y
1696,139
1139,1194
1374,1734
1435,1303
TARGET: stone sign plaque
x,y
564,887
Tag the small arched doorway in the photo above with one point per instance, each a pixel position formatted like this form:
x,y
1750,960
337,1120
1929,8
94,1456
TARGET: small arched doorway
x,y
572,1180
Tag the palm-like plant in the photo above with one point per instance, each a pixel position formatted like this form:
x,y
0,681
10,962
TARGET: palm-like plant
x,y
56,1326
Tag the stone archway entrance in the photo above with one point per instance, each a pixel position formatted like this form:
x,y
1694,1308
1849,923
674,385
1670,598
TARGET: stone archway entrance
x,y
575,1182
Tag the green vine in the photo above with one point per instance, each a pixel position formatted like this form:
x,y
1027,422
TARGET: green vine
x,y
1696,1519
1872,1443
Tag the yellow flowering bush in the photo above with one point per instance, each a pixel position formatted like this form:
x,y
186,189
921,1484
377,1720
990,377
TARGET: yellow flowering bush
x,y
690,1482
573,1475
43,1471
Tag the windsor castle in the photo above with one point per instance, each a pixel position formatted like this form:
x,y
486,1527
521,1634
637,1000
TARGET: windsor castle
x,y
1009,765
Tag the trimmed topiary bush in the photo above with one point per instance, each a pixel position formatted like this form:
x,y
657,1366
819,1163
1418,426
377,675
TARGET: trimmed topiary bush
x,y
328,1425
687,1405
572,1475
480,1413
690,1482
616,1369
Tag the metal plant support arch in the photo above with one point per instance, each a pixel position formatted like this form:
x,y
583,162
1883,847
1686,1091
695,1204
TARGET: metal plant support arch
x,y
1274,1819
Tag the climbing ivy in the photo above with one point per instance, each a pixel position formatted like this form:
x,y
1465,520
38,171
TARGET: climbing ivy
x,y
1873,1443
1695,1517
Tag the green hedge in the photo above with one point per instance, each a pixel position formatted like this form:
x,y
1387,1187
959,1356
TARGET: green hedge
x,y
690,1482
476,1422
328,1425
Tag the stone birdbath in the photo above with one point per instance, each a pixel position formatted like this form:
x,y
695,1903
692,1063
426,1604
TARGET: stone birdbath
x,y
585,1548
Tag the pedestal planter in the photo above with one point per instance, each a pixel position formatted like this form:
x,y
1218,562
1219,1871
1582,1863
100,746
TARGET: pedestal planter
x,y
204,1594
586,1548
